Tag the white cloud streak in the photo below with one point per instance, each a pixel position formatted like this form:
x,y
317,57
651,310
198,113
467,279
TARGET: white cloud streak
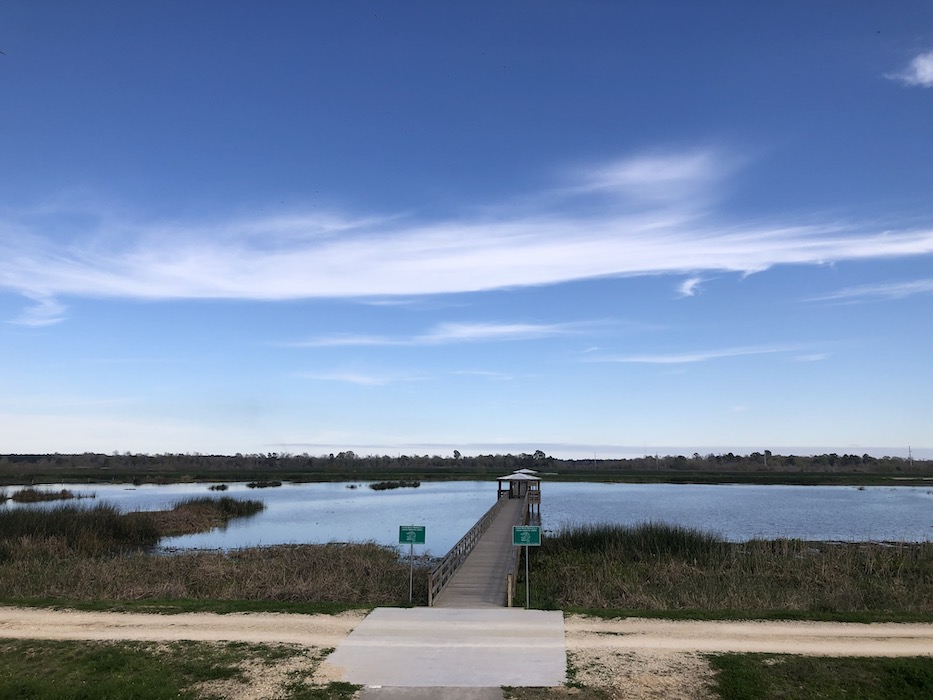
x,y
659,231
919,72
45,311
813,357
693,357
661,177
446,333
883,292
358,378
690,287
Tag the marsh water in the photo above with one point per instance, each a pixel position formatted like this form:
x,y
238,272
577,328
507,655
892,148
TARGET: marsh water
x,y
352,512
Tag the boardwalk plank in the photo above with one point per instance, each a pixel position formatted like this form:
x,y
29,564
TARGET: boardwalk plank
x,y
481,580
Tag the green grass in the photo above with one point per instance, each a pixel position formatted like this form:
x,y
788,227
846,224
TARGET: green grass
x,y
763,676
47,670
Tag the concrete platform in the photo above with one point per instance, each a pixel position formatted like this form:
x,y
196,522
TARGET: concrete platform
x,y
453,648
386,693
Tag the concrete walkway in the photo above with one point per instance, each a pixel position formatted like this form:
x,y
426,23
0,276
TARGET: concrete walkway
x,y
385,693
481,581
452,648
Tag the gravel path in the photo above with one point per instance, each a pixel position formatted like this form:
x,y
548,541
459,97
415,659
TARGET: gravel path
x,y
634,658
262,628
637,659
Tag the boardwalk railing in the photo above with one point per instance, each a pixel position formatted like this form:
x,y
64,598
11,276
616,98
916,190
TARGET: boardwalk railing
x,y
517,551
444,571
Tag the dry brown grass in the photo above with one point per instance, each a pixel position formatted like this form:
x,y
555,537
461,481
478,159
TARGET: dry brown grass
x,y
31,495
199,515
656,567
364,574
99,554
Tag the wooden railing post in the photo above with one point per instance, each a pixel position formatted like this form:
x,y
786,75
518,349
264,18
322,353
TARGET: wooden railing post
x,y
515,558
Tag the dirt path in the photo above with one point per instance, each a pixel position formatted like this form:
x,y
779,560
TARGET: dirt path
x,y
635,658
321,631
638,659
810,638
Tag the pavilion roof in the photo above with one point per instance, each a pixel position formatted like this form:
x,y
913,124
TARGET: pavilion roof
x,y
517,476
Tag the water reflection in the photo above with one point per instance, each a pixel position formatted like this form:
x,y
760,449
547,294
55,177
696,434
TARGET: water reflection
x,y
333,512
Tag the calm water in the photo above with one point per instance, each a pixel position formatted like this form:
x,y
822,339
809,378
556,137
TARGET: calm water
x,y
298,513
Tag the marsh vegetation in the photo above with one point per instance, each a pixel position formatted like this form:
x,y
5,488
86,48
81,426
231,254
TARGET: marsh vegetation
x,y
389,485
103,529
335,575
70,553
199,514
32,495
264,484
657,567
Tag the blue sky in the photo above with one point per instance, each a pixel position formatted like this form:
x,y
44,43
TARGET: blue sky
x,y
593,228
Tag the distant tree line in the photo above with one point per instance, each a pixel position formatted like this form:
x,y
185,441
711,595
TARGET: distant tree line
x,y
347,464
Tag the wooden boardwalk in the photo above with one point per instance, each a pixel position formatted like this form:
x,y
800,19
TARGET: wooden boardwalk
x,y
481,582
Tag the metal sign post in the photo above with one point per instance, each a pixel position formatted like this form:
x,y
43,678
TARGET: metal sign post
x,y
527,582
526,536
412,535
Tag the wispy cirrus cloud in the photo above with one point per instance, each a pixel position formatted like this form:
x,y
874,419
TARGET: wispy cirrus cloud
x,y
446,333
655,177
919,71
695,356
668,225
690,287
485,332
45,311
359,378
484,374
813,357
882,292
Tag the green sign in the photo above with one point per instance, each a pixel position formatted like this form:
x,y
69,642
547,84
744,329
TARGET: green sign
x,y
411,534
526,535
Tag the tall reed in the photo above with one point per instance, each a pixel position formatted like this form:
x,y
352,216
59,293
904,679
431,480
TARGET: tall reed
x,y
355,574
201,513
73,553
32,495
663,567
86,531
